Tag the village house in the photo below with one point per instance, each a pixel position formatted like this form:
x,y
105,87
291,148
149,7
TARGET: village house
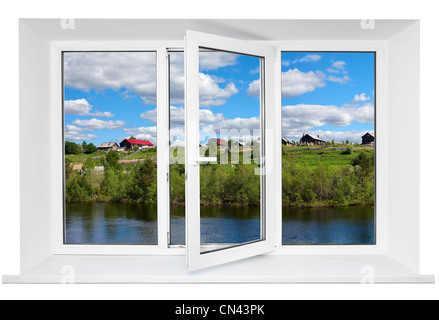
x,y
311,140
107,146
368,139
128,144
287,142
218,142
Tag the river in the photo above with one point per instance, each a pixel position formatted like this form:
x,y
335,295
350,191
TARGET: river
x,y
130,223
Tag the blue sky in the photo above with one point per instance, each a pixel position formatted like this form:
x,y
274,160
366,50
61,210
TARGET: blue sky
x,y
110,96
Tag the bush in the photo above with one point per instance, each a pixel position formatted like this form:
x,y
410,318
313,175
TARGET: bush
x,y
348,150
77,188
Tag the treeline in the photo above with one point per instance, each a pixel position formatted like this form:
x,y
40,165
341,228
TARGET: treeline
x,y
327,185
76,148
220,184
118,182
303,186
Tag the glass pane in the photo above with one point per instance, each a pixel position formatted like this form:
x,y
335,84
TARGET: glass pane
x,y
177,147
328,152
110,147
230,131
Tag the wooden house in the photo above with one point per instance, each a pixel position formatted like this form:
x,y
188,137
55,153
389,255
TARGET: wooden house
x,y
368,139
107,146
311,140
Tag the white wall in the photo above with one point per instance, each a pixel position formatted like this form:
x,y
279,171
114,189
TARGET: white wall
x,y
402,93
34,147
403,137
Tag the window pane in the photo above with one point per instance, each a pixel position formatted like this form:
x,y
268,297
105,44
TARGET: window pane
x,y
230,131
177,147
328,152
110,147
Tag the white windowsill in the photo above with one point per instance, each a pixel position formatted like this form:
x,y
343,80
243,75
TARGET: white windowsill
x,y
260,269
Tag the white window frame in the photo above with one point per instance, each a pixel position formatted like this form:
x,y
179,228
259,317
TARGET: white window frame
x,y
163,219
395,255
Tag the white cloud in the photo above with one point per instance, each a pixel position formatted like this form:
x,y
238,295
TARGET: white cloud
x,y
307,58
339,65
214,60
255,71
177,116
81,107
361,98
74,133
95,124
341,80
254,88
143,133
150,115
299,118
296,82
211,94
135,71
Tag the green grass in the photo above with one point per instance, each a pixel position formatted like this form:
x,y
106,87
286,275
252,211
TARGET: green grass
x,y
80,158
145,154
312,157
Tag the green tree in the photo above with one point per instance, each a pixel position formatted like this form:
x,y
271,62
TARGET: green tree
x,y
77,188
68,169
144,183
364,164
84,145
89,165
90,148
111,160
72,148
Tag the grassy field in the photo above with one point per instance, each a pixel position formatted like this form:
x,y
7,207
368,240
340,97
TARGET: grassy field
x,y
144,154
82,157
313,156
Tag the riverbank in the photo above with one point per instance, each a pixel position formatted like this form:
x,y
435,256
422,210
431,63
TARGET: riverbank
x,y
233,205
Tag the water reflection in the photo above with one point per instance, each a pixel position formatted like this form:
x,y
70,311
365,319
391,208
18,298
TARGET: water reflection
x,y
344,225
110,223
127,223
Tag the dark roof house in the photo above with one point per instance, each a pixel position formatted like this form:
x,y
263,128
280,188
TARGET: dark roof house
x,y
368,138
287,142
107,146
311,140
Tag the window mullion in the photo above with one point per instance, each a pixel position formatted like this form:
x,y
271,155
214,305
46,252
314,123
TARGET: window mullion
x,y
162,148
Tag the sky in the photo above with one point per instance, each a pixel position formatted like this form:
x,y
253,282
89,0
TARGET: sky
x,y
110,96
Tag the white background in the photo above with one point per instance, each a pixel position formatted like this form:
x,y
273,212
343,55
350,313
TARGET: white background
x,y
10,12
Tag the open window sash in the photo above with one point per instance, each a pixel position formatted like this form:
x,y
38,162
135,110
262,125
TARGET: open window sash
x,y
202,255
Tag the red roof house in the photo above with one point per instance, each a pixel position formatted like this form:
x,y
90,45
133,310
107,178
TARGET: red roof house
x,y
219,142
128,144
